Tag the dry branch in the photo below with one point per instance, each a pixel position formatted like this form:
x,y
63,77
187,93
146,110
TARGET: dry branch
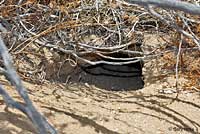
x,y
170,4
38,120
95,28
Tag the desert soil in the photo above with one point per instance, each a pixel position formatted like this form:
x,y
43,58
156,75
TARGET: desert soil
x,y
83,109
75,109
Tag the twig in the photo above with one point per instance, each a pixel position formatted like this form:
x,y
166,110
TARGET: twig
x,y
177,63
38,120
174,25
170,4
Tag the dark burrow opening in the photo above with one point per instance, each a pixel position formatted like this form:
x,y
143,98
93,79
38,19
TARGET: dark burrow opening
x,y
109,77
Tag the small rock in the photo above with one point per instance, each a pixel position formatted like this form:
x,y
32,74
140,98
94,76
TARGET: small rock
x,y
167,91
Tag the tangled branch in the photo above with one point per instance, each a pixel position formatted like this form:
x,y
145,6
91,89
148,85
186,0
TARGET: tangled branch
x,y
90,31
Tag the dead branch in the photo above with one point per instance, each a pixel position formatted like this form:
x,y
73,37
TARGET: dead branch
x,y
38,120
170,4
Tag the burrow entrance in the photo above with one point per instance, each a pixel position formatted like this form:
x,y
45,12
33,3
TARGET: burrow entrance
x,y
105,76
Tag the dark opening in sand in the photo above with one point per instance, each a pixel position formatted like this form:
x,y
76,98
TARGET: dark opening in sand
x,y
109,77
105,76
113,77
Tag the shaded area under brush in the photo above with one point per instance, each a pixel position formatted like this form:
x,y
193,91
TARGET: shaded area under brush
x,y
110,77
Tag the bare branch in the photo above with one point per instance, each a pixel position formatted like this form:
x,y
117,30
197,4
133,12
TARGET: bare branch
x,y
38,120
170,4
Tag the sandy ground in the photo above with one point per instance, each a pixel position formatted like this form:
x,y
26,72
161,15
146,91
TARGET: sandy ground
x,y
82,109
79,109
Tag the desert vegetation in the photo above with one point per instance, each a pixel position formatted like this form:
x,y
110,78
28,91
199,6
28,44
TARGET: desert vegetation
x,y
41,41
